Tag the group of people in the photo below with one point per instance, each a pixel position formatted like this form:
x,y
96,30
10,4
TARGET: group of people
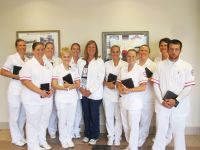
x,y
46,91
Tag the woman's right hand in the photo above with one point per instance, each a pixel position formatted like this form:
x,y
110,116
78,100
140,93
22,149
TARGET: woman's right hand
x,y
110,85
44,93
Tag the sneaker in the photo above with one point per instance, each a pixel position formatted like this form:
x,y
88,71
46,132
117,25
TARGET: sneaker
x,y
53,136
46,146
117,143
70,143
77,135
92,142
19,143
110,142
86,140
65,145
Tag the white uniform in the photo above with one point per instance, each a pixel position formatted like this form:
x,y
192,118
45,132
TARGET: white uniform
x,y
131,105
38,110
111,103
16,110
78,116
148,106
158,59
178,78
53,121
66,102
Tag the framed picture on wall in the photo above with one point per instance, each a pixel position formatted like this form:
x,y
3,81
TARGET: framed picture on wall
x,y
126,40
43,36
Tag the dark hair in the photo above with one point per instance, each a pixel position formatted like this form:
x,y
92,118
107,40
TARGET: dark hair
x,y
17,41
36,44
145,45
48,44
76,45
117,46
132,50
165,40
176,42
85,51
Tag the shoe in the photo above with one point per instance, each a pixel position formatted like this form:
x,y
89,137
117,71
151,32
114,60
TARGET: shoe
x,y
23,140
110,142
19,143
77,135
86,140
92,142
46,146
70,143
117,143
65,145
53,136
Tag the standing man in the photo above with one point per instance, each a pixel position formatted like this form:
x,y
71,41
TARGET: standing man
x,y
173,82
11,70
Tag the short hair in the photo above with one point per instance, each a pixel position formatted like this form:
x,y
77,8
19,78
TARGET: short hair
x,y
132,50
17,41
117,46
48,44
176,42
85,51
145,45
36,44
165,40
76,45
65,50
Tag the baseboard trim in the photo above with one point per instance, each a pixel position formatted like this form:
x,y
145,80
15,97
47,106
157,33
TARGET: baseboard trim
x,y
188,131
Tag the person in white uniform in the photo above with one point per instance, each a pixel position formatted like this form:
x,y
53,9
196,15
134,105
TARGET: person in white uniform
x,y
37,97
76,49
111,97
173,81
50,58
92,71
148,94
131,100
16,109
66,97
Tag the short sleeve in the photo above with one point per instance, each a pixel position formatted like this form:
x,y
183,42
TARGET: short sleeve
x,y
8,65
155,78
143,77
75,74
189,77
25,72
55,73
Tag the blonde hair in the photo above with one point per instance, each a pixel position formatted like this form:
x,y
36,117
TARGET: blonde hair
x,y
65,50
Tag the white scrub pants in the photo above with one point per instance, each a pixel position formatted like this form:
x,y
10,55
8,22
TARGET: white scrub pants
x,y
145,122
113,119
53,121
177,126
37,123
78,118
66,116
17,117
130,122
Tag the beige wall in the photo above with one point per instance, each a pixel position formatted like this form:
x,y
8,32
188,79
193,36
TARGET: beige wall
x,y
82,20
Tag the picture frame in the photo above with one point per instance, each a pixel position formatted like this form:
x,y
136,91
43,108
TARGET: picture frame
x,y
43,36
125,40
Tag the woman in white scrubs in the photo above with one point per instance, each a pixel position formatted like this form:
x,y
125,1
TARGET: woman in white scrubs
x,y
131,100
66,98
16,109
148,94
111,97
37,101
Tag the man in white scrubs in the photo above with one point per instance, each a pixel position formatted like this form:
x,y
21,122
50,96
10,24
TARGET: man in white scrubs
x,y
173,82
11,69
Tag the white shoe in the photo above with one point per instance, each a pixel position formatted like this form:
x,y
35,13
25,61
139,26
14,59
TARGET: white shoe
x,y
19,143
53,136
77,135
117,143
70,143
110,141
86,140
46,146
92,142
65,145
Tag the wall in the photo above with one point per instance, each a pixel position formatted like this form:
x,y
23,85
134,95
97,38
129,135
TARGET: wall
x,y
80,21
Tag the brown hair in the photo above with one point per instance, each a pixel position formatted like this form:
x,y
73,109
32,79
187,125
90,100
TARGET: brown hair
x,y
76,45
17,41
117,46
48,44
86,47
145,45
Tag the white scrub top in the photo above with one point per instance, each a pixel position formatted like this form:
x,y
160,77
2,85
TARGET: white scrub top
x,y
133,100
38,74
13,60
64,96
112,94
